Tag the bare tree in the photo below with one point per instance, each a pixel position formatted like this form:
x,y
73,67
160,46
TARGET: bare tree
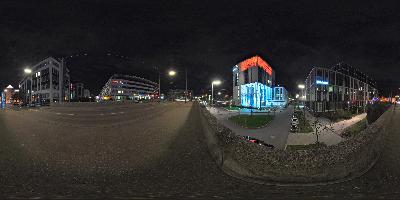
x,y
320,126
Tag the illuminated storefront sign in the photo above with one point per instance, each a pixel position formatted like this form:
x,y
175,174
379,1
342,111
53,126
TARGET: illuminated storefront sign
x,y
255,61
322,82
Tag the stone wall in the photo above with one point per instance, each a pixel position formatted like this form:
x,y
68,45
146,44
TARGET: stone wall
x,y
256,163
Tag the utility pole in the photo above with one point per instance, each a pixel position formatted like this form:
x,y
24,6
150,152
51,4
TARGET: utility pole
x,y
186,84
159,85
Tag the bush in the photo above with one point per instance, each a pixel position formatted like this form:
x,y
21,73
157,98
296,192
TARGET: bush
x,y
306,146
337,115
374,111
355,129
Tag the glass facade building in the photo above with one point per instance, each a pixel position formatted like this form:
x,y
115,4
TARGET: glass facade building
x,y
125,87
341,87
253,85
48,82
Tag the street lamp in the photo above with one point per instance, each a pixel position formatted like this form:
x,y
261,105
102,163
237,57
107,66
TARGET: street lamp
x,y
301,86
173,73
216,82
28,71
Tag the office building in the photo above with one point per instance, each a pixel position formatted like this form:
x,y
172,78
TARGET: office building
x,y
341,87
48,82
254,85
125,87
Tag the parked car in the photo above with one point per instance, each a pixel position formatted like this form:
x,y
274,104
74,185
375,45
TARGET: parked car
x,y
257,141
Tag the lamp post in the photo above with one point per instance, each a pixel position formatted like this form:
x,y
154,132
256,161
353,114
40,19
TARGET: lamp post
x,y
28,72
173,73
216,82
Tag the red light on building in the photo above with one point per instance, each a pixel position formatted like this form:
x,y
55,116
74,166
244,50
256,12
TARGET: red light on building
x,y
255,61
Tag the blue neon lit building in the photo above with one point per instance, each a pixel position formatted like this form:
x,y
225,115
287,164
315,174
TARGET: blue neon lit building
x,y
253,85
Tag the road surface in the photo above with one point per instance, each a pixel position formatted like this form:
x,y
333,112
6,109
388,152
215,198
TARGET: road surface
x,y
144,151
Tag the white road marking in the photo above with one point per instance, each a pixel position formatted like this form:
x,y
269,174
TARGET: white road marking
x,y
102,114
71,114
113,113
58,113
121,112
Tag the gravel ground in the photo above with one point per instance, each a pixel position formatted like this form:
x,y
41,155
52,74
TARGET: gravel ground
x,y
144,151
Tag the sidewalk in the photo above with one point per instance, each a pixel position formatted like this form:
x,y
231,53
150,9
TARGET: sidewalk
x,y
326,136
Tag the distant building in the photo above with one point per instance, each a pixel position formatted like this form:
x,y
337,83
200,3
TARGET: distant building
x,y
179,95
86,93
77,91
125,87
341,87
253,85
48,82
9,93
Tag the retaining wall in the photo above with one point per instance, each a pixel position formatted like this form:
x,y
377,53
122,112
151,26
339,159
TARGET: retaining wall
x,y
255,163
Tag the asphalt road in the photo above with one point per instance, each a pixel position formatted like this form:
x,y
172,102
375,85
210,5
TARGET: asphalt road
x,y
145,151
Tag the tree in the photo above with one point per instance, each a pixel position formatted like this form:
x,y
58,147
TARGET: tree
x,y
320,126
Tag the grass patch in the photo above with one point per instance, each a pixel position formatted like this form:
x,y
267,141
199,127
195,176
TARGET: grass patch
x,y
338,115
248,121
232,108
355,129
305,147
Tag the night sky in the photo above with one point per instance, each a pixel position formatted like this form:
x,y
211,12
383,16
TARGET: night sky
x,y
206,37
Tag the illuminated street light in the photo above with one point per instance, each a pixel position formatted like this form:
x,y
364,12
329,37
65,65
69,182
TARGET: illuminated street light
x,y
216,82
5,90
172,73
301,86
27,71
219,93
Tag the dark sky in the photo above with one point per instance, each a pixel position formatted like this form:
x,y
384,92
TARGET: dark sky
x,y
207,37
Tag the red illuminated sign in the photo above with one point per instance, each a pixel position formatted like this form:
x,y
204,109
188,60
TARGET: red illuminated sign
x,y
255,61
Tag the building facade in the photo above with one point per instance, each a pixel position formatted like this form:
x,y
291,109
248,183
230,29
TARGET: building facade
x,y
253,85
341,87
48,82
125,87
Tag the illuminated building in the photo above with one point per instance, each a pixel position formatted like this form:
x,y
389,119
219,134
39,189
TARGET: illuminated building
x,y
48,82
341,87
253,85
9,92
124,87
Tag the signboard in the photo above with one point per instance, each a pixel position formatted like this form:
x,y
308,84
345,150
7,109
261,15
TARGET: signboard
x,y
255,61
319,82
